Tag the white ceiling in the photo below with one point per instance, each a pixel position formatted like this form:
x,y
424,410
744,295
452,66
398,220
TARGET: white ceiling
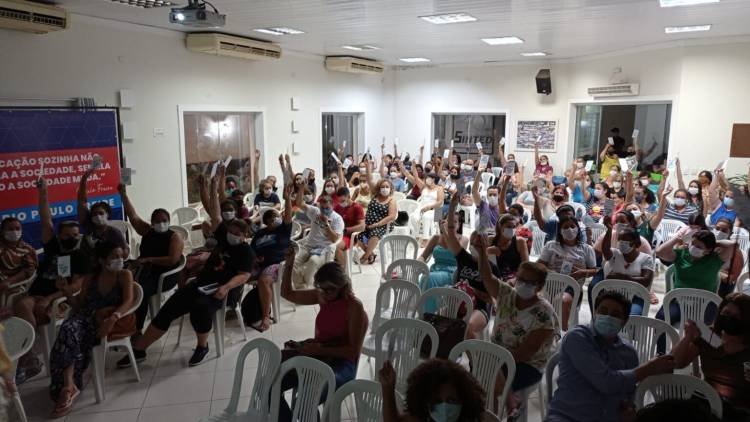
x,y
563,28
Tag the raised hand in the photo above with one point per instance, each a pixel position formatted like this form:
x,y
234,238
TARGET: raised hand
x,y
41,185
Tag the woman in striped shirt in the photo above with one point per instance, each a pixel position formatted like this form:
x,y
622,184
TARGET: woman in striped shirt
x,y
679,209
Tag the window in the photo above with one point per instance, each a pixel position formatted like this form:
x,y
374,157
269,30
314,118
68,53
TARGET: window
x,y
341,132
466,130
213,136
594,124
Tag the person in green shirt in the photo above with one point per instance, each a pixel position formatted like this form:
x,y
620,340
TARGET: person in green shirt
x,y
696,264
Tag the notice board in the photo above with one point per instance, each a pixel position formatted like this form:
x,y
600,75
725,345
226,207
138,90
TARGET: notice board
x,y
60,142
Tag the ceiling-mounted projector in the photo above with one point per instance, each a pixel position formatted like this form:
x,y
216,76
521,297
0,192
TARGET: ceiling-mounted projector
x,y
196,15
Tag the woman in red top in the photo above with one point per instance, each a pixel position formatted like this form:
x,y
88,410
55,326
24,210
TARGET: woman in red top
x,y
340,326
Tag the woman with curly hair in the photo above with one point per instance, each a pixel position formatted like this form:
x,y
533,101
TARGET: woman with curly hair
x,y
437,390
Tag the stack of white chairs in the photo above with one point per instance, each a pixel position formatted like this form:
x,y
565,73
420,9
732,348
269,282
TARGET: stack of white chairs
x,y
487,361
394,247
314,379
394,299
412,270
399,340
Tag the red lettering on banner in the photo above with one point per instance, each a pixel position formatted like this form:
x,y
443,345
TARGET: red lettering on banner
x,y
62,169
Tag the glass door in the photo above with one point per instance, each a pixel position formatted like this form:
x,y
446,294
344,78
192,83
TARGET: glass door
x,y
340,137
588,122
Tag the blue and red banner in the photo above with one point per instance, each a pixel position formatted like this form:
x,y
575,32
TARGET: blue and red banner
x,y
60,144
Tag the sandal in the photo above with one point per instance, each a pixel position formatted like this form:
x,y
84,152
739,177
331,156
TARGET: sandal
x,y
372,259
63,407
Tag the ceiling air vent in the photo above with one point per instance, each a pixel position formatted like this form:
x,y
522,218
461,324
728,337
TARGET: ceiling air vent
x,y
232,46
32,17
618,90
354,65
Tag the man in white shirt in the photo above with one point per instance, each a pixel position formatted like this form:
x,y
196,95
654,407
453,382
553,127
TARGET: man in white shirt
x,y
326,229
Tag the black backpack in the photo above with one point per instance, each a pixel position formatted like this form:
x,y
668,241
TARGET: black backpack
x,y
250,308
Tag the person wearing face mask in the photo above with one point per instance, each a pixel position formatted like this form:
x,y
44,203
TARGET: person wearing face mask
x,y
444,265
437,390
326,230
696,266
525,325
609,159
489,208
468,173
598,370
724,207
381,213
18,259
267,197
269,246
309,199
160,252
507,250
110,288
550,226
329,190
731,270
354,222
431,198
542,165
227,269
94,221
569,255
411,175
627,262
340,325
35,306
596,201
724,355
362,194
467,277
644,179
647,223
311,182
680,209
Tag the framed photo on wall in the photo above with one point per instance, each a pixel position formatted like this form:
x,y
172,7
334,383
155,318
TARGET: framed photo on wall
x,y
528,131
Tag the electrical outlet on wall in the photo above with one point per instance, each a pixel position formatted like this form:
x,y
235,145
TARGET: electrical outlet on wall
x,y
158,132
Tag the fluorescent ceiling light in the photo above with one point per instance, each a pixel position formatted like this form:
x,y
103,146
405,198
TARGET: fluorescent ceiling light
x,y
503,40
681,29
675,3
415,60
534,54
146,4
280,31
449,18
360,47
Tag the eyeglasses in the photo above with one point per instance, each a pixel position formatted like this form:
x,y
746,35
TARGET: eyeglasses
x,y
327,290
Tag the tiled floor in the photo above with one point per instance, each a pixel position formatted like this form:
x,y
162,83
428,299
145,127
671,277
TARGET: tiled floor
x,y
170,391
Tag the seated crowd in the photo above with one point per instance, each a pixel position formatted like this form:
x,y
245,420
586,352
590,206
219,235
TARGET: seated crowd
x,y
578,225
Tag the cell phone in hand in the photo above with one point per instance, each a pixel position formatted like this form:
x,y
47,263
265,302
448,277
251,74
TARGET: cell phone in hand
x,y
209,289
611,140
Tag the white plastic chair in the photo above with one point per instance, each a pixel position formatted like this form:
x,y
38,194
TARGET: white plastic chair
x,y
368,402
488,179
666,230
643,333
18,337
470,217
741,281
351,257
553,292
129,234
269,361
412,270
396,246
629,289
219,322
184,235
448,302
157,299
17,289
49,330
550,380
400,341
313,377
186,217
99,353
597,230
248,200
296,230
579,209
487,361
408,206
693,304
399,196
537,243
675,386
394,299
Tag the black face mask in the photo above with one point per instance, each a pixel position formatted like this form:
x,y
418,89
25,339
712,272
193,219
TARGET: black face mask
x,y
310,181
729,325
558,198
454,176
69,244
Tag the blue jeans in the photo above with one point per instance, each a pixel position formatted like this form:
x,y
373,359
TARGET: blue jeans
x,y
344,370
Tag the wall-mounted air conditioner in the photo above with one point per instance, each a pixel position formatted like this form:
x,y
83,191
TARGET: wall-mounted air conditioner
x,y
354,65
617,90
32,17
231,46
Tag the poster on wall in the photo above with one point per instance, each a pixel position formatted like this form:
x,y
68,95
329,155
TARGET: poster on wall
x,y
60,144
529,132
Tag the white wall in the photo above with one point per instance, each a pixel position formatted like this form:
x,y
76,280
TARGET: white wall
x,y
97,58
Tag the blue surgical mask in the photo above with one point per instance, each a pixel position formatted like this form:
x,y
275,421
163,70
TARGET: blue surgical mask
x,y
607,326
445,412
326,211
728,202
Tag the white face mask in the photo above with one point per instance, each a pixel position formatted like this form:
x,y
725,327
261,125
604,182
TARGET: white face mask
x,y
233,239
543,162
617,185
385,191
644,182
624,247
637,214
466,167
599,193
161,227
492,200
508,233
227,215
12,235
394,175
679,202
330,190
612,172
277,221
696,252
308,198
720,235
570,234
116,264
579,165
363,170
525,290
693,191
99,219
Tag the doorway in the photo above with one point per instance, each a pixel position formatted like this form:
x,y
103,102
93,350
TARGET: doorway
x,y
465,130
342,135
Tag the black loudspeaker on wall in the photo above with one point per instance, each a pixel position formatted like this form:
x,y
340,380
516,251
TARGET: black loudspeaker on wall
x,y
543,82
